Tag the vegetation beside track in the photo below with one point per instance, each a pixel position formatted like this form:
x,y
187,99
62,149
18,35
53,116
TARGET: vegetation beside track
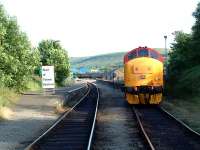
x,y
20,68
183,86
34,84
184,62
187,110
7,97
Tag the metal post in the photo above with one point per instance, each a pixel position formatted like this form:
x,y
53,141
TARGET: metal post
x,y
165,48
166,57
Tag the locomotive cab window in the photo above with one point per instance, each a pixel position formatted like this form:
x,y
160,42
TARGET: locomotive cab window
x,y
132,55
143,53
153,54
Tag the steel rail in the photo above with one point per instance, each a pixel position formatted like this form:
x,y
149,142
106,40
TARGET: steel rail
x,y
57,122
143,130
179,121
156,122
76,89
72,90
94,121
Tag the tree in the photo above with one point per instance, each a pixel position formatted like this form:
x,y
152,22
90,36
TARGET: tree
x,y
179,57
16,56
196,36
184,62
52,53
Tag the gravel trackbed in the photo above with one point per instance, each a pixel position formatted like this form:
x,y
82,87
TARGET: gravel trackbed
x,y
116,128
30,117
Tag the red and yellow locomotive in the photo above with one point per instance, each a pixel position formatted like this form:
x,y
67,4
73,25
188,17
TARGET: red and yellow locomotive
x,y
143,76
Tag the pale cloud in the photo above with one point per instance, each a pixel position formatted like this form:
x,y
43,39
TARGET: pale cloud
x,y
90,27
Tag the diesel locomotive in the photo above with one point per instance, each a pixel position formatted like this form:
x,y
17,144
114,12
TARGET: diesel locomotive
x,y
143,76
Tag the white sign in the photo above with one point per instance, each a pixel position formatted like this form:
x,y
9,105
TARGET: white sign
x,y
48,80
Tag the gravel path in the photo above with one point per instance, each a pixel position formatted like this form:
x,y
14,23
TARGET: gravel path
x,y
30,117
116,127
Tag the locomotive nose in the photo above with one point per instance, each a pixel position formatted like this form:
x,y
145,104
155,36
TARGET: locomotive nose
x,y
142,69
143,72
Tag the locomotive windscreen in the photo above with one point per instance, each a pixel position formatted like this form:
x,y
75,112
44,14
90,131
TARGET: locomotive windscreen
x,y
132,55
154,54
143,53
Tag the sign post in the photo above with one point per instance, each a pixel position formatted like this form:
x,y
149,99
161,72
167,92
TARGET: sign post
x,y
48,79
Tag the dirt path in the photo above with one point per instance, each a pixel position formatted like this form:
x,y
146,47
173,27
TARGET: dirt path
x,y
31,116
116,128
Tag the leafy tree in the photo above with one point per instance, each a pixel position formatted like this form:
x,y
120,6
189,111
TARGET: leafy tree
x,y
186,48
52,53
179,57
16,56
184,63
196,36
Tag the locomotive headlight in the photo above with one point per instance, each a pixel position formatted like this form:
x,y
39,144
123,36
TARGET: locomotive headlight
x,y
157,78
142,77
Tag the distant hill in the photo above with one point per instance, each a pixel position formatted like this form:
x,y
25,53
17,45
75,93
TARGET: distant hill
x,y
104,62
99,61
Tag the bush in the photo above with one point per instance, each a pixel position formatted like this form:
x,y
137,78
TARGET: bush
x,y
188,82
17,58
34,84
68,81
51,53
7,96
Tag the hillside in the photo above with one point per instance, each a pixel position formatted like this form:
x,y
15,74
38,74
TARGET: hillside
x,y
99,61
106,61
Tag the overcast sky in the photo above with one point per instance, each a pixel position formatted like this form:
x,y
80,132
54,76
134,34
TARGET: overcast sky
x,y
90,27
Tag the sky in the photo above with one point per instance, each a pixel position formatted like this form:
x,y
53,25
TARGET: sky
x,y
93,27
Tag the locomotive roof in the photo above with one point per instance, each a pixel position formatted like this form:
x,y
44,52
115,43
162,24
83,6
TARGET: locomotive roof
x,y
150,50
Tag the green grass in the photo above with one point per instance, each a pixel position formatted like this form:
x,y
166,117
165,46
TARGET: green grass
x,y
186,109
7,96
34,84
68,82
186,104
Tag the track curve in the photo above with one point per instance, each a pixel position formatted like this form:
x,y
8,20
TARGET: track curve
x,y
74,130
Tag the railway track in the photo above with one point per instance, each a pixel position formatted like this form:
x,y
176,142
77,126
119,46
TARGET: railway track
x,y
74,130
116,127
163,131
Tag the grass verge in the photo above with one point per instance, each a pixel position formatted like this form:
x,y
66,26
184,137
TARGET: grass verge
x,y
69,81
185,109
186,103
7,97
34,84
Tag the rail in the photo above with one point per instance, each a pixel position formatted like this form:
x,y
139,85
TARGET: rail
x,y
45,134
163,130
76,89
94,121
150,145
179,121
